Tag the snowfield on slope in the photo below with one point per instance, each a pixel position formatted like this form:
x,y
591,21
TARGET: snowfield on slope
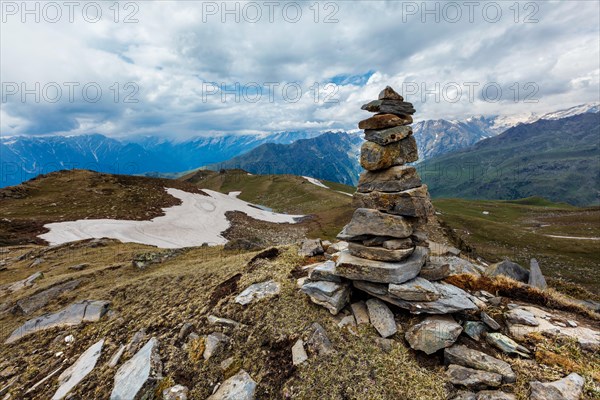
x,y
198,219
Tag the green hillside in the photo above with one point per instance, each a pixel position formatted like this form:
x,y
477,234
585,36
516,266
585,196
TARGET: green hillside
x,y
558,160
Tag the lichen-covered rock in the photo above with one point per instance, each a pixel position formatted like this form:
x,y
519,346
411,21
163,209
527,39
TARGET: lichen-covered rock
x,y
568,388
472,378
433,333
466,357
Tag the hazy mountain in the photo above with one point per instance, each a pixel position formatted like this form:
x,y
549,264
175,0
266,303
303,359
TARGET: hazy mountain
x,y
331,156
553,158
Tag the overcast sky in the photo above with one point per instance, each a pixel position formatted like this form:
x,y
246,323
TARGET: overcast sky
x,y
161,65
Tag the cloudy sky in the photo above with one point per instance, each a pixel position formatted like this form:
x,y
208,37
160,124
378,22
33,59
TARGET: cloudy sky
x,y
190,68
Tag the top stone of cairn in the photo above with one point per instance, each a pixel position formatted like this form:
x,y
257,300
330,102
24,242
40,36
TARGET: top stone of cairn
x,y
389,94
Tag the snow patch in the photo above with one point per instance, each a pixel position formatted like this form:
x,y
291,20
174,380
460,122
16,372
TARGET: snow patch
x,y
198,219
315,182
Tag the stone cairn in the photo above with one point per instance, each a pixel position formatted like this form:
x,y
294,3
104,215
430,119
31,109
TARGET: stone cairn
x,y
387,254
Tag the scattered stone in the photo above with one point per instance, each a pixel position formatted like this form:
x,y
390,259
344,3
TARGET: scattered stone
x,y
310,248
35,302
494,395
489,321
360,312
568,388
536,278
384,137
228,323
318,342
78,371
382,121
378,253
372,222
411,203
230,366
434,272
509,269
474,329
239,387
73,315
331,295
374,157
472,378
381,318
506,344
452,299
298,353
356,268
214,343
417,289
177,392
324,272
521,316
257,292
138,377
114,360
466,357
433,333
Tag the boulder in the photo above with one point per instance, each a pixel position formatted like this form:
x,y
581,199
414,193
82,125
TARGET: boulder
x,y
241,386
366,222
489,321
472,378
466,357
382,121
433,333
474,329
417,289
356,268
389,106
383,137
381,318
521,316
509,269
331,295
257,292
35,302
568,388
452,299
324,272
506,344
360,312
310,248
389,94
78,371
411,203
74,314
298,353
378,253
394,179
177,392
138,377
375,157
536,278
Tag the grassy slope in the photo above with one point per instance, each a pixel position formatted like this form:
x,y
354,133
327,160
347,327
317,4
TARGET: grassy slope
x,y
518,229
286,193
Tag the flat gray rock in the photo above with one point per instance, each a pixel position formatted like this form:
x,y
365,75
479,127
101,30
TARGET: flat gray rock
x,y
506,344
433,333
331,295
568,388
324,272
474,329
434,271
489,321
355,268
509,269
536,278
78,371
521,316
381,318
360,312
214,343
137,378
257,292
383,137
73,315
397,244
417,289
372,222
241,386
35,302
394,179
410,203
452,299
472,378
466,357
378,253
